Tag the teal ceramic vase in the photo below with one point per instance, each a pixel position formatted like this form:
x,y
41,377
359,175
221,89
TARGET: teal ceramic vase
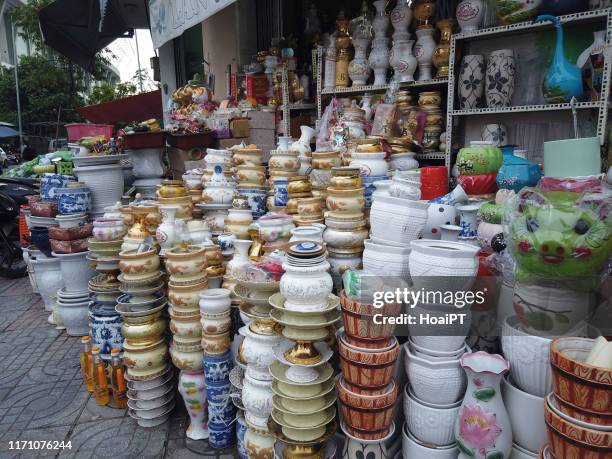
x,y
564,80
516,172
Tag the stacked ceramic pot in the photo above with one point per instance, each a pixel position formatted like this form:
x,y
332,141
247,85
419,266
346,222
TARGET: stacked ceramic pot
x,y
145,350
250,174
217,199
282,165
402,157
298,188
103,176
322,163
104,247
215,307
309,211
346,226
174,193
302,147
367,389
478,166
369,157
193,183
429,102
257,353
303,406
274,231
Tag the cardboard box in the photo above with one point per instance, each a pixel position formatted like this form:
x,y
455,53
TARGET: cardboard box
x,y
239,128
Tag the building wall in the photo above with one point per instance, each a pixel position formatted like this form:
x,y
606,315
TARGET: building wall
x,y
6,44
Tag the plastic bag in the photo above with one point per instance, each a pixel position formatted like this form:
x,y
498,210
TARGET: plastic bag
x,y
329,120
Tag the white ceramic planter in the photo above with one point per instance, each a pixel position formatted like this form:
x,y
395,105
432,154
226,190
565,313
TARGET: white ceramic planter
x,y
443,265
49,279
215,301
390,260
105,182
429,423
396,220
258,353
257,400
370,164
403,161
306,288
147,163
412,448
75,270
75,317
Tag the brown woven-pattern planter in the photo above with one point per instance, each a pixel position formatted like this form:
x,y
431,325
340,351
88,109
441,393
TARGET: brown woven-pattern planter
x,y
368,369
583,415
367,402
357,307
364,343
568,440
584,386
367,434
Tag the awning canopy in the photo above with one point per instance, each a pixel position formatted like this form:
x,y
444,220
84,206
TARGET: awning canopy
x,y
75,28
6,131
170,18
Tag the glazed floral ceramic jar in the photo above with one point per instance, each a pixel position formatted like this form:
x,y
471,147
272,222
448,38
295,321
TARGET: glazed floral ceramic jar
x,y
345,202
306,288
218,190
238,221
251,175
247,157
284,161
145,362
135,265
325,159
108,229
186,263
172,189
345,233
275,227
186,296
188,357
186,328
370,164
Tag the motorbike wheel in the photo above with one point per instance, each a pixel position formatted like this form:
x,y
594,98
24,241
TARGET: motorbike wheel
x,y
12,264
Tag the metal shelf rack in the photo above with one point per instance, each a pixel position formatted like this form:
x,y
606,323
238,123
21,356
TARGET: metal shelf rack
x,y
461,39
286,107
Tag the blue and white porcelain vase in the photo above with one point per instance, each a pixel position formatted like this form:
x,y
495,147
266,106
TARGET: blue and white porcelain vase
x,y
49,183
221,436
217,367
281,195
564,79
516,172
221,410
501,71
257,200
468,220
241,428
73,200
105,325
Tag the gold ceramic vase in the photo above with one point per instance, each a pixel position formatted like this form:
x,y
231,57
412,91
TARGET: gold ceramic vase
x,y
441,54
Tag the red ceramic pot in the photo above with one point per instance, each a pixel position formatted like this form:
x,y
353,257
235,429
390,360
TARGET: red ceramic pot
x,y
584,386
367,414
569,440
367,369
434,182
479,184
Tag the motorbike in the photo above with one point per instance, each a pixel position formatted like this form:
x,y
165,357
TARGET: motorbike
x,y
13,193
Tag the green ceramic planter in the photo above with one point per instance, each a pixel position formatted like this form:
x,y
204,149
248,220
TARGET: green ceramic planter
x,y
479,158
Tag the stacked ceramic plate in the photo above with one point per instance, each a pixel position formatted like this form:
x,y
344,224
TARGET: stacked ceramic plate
x,y
306,254
151,401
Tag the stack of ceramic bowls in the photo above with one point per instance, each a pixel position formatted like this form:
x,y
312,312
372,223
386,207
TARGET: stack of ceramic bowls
x,y
303,407
150,401
320,175
239,218
73,309
578,411
368,355
71,233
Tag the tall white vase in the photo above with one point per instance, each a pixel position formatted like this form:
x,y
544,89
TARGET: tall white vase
x,y
193,390
401,17
381,20
423,51
165,234
501,70
470,14
240,258
329,79
379,60
403,62
302,145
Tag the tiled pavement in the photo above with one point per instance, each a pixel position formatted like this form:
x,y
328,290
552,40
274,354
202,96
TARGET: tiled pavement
x,y
42,396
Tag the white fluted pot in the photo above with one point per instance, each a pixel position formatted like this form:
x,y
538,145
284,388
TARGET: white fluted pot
x,y
75,270
105,182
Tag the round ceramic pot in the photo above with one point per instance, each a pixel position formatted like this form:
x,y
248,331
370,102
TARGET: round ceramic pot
x,y
298,185
257,351
75,271
325,160
215,301
145,362
185,327
405,189
216,344
171,189
105,182
359,322
251,175
73,200
105,328
215,219
257,400
75,317
345,182
367,368
284,161
186,296
134,264
256,197
216,323
430,424
144,332
310,206
48,275
341,260
307,233
441,382
403,161
259,444
187,357
367,413
218,194
340,235
370,163
470,14
345,202
306,288
411,447
397,220
221,157
275,227
247,157
443,265
479,158
193,181
185,263
392,260
108,229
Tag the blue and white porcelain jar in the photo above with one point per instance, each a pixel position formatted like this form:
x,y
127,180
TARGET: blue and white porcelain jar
x,y
105,325
281,195
370,188
221,410
217,367
256,197
73,200
49,183
220,435
241,428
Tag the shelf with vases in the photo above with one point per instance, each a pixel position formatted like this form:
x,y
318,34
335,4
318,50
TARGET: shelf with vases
x,y
585,17
527,108
383,87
